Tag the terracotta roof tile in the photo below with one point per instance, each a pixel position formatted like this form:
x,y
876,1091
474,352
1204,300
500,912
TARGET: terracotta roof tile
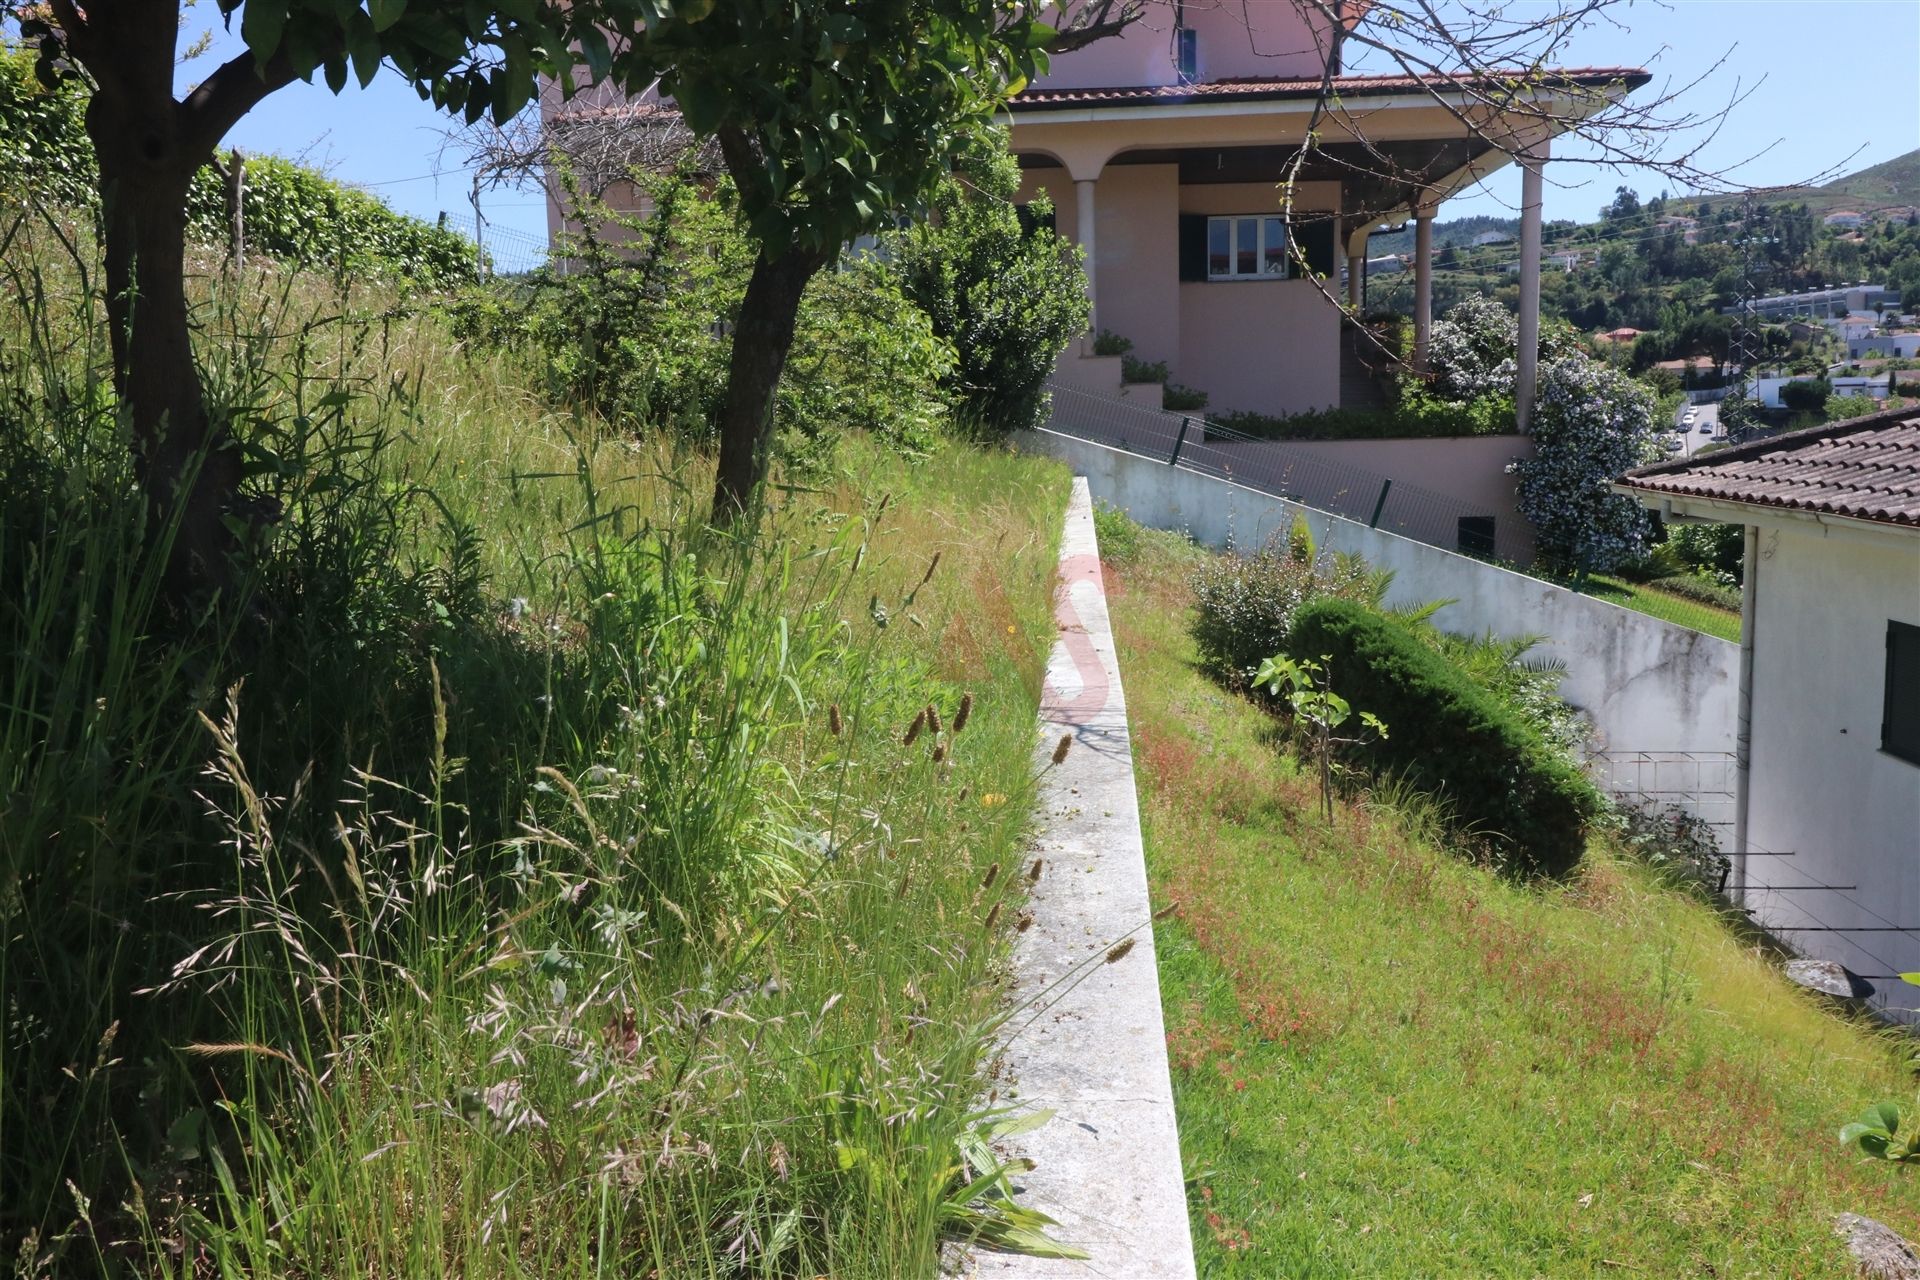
x,y
1350,86
1867,469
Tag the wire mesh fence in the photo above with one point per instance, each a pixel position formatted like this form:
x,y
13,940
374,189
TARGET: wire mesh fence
x,y
1289,471
1293,471
498,250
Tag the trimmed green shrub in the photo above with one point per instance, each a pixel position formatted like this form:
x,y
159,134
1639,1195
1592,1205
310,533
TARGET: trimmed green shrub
x,y
1700,590
292,213
1416,415
1452,738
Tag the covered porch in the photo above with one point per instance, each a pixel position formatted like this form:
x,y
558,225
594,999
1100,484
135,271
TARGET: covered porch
x,y
1174,194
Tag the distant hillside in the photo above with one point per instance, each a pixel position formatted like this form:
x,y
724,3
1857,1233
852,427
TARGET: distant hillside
x,y
1893,183
1458,232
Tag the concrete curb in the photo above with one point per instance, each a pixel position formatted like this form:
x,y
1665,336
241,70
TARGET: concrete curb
x,y
1107,1166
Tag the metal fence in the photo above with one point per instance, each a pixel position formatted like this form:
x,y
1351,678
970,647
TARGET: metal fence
x,y
1294,472
500,251
1279,468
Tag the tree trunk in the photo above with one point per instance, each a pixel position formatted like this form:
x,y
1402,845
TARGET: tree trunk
x,y
762,337
186,464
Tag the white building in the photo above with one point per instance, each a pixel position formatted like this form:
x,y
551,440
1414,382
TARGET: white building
x,y
1826,846
1844,218
1854,326
1904,346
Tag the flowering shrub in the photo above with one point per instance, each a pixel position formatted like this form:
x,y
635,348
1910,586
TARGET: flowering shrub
x,y
1590,423
1471,351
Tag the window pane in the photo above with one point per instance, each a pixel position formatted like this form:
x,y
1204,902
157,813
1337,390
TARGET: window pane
x,y
1219,249
1246,249
1273,252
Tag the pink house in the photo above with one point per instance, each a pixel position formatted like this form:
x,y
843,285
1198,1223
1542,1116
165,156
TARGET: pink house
x,y
1161,150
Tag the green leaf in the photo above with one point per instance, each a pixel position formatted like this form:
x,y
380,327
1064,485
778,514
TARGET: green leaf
x,y
1914,978
594,52
363,46
383,12
261,26
1885,1115
336,72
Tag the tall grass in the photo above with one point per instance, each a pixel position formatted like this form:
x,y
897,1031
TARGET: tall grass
x,y
514,877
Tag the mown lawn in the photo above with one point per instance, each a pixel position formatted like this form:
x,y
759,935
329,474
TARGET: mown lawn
x,y
1391,1062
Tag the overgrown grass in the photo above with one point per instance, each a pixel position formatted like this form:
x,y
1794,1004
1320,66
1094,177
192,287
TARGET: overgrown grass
x,y
515,878
1648,598
1389,1061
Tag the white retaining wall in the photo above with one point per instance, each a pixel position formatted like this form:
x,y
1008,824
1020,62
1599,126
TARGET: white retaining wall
x,y
1648,685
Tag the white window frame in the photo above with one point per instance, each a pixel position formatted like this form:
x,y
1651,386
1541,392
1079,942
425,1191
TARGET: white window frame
x,y
1261,223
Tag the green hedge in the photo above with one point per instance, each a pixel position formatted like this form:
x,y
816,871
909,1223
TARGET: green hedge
x,y
1417,415
1451,738
292,213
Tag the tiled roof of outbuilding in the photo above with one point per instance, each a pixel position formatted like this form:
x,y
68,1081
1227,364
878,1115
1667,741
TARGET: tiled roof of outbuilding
x,y
1343,86
1865,469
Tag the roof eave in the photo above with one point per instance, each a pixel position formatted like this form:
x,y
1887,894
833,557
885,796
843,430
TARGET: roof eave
x,y
1365,99
1699,507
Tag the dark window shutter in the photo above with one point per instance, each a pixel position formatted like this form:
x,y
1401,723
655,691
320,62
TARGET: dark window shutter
x,y
1193,246
1900,727
1316,245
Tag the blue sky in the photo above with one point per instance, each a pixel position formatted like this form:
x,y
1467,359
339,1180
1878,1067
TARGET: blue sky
x,y
1835,76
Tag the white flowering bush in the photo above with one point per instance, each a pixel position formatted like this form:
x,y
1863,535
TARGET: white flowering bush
x,y
1471,351
1590,423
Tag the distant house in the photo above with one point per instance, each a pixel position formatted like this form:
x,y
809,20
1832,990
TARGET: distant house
x,y
1767,390
1844,218
1820,304
1853,326
1385,265
1160,149
1827,803
1618,335
1902,346
1492,237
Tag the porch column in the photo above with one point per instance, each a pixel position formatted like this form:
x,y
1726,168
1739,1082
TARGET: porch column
x,y
1083,203
1422,284
1356,281
1526,373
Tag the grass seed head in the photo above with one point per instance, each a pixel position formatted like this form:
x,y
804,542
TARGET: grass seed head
x,y
1033,872
993,916
1023,922
933,717
1119,950
834,725
913,730
965,712
1167,910
993,873
939,752
1060,751
932,565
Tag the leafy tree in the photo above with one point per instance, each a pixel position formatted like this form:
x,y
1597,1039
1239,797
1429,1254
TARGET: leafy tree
x,y
473,57
1806,395
832,120
1006,291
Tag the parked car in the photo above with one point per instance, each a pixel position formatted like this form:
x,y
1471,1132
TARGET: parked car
x,y
1675,444
1706,428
